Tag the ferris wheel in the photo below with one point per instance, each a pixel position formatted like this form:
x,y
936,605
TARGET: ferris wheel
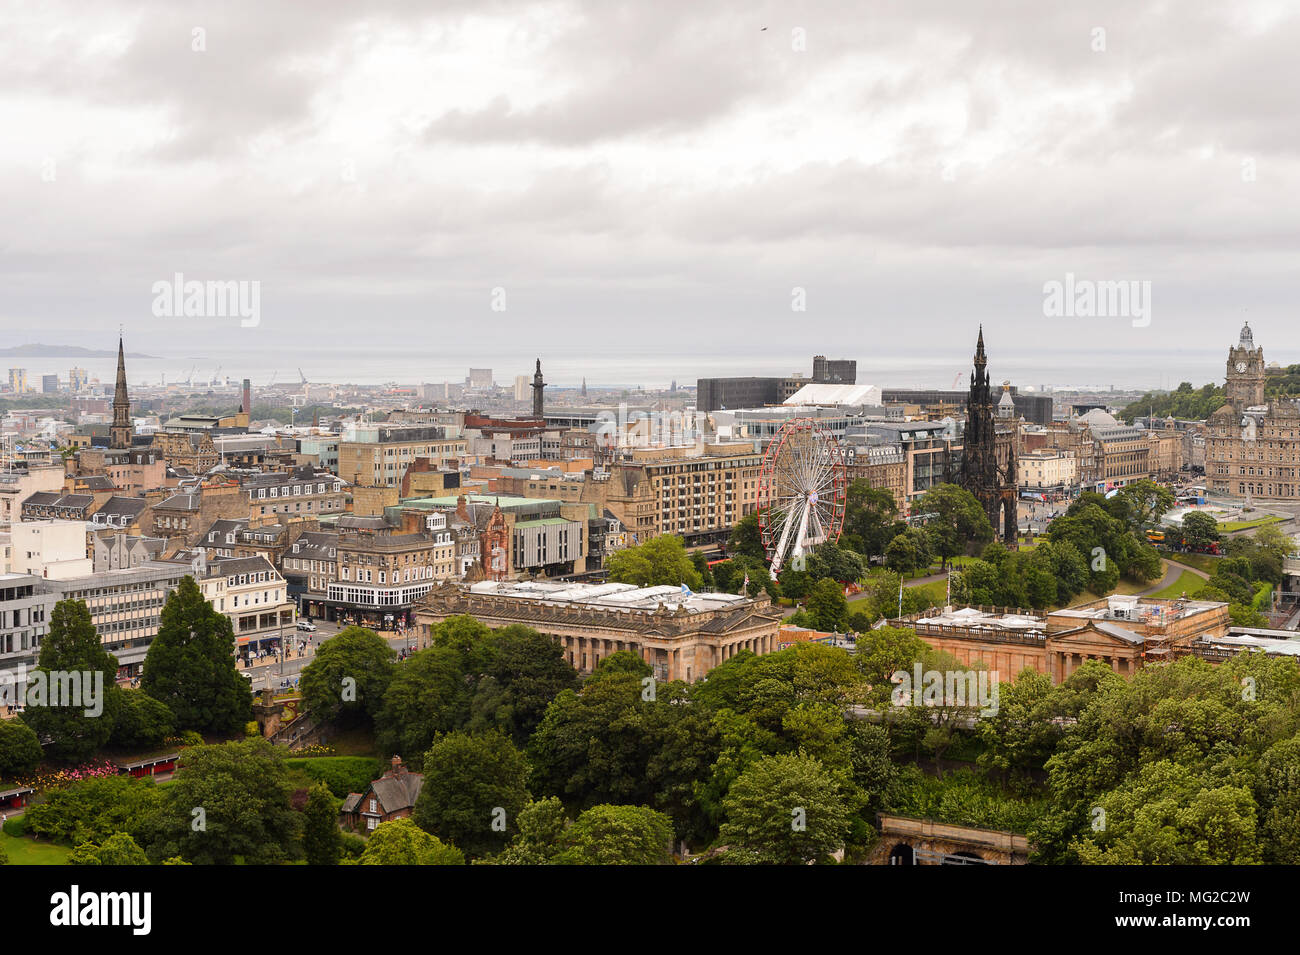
x,y
801,492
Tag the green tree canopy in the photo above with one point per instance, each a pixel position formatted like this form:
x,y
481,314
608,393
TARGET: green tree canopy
x,y
659,561
72,656
349,675
20,750
785,810
402,842
474,789
227,802
322,840
618,835
190,665
958,522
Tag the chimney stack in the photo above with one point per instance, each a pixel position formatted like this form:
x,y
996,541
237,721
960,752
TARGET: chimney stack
x,y
248,397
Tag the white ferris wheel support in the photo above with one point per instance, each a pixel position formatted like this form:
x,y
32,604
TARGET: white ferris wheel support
x,y
802,492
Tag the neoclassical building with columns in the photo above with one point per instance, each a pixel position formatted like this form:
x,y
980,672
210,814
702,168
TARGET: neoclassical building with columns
x,y
681,635
1123,632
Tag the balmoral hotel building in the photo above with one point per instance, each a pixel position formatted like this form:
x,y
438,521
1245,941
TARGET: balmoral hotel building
x,y
1252,445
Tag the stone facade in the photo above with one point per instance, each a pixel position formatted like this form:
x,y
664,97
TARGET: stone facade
x,y
1252,446
680,644
908,841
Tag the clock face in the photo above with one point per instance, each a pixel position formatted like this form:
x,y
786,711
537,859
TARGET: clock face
x,y
1241,367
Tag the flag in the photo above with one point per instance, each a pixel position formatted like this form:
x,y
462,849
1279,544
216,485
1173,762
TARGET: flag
x,y
744,587
686,591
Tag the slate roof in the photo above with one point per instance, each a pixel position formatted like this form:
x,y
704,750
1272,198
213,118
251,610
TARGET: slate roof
x,y
398,792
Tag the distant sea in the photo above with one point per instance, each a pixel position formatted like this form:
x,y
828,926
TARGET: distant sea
x,y
568,362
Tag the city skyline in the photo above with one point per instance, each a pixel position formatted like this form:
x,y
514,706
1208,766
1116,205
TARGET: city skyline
x,y
612,168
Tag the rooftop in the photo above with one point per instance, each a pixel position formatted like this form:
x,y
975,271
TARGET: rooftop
x,y
609,596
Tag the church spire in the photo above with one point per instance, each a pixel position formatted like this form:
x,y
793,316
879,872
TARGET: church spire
x,y
122,429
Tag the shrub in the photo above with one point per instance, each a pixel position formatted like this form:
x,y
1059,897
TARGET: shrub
x,y
342,774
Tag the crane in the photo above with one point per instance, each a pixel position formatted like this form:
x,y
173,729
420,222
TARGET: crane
x,y
957,381
302,376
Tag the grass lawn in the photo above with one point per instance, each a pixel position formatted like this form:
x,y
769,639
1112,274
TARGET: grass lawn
x,y
1186,583
24,851
1203,562
935,591
1230,526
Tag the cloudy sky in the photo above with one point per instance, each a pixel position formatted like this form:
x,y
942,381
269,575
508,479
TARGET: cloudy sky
x,y
653,179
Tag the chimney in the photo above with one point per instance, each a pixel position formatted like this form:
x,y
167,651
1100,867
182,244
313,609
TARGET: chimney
x,y
248,397
398,768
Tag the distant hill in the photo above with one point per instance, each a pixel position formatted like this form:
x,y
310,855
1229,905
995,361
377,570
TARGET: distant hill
x,y
63,351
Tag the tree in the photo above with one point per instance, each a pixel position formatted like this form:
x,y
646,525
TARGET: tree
x,y
624,742
72,658
402,842
1169,814
602,835
1200,530
20,750
474,788
228,802
618,835
746,539
539,834
190,665
827,605
429,694
870,518
839,563
141,721
958,520
785,810
322,840
92,809
659,561
909,551
622,661
521,672
1147,502
348,676
117,849
1021,736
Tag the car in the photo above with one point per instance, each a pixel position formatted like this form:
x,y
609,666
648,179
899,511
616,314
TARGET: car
x,y
308,627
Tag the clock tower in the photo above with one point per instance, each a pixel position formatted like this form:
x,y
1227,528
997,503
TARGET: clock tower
x,y
1245,382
